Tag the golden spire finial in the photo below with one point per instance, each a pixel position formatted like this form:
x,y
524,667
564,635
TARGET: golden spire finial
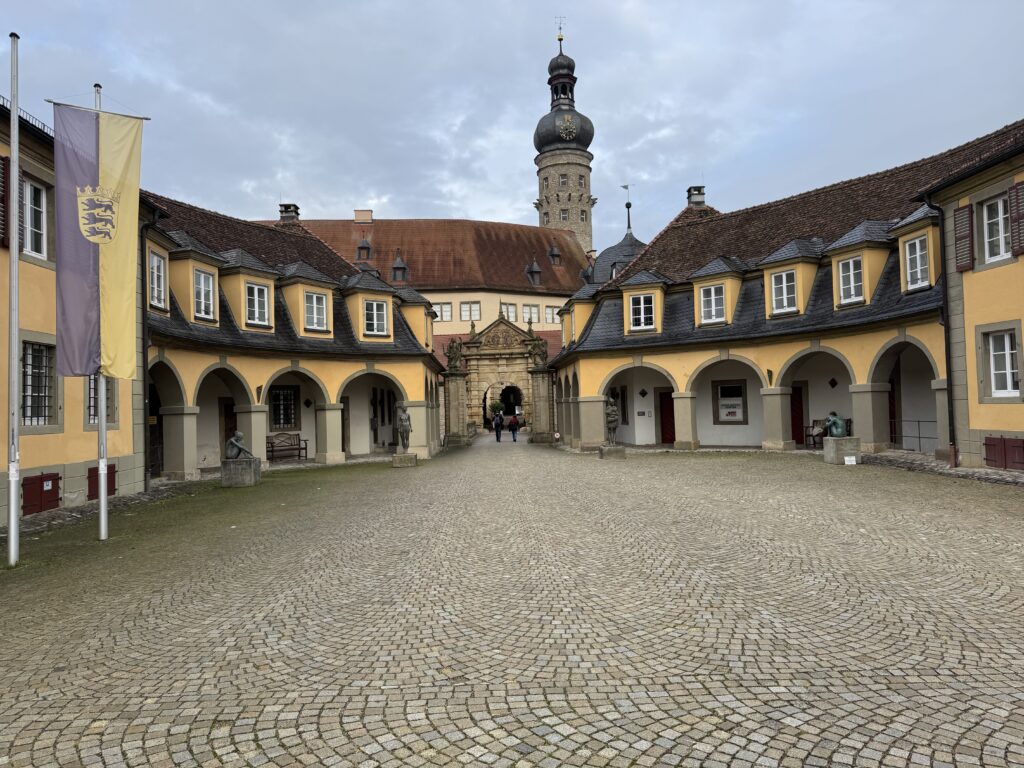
x,y
561,37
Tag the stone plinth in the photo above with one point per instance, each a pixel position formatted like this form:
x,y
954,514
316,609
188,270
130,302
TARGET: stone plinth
x,y
241,472
614,452
838,448
403,460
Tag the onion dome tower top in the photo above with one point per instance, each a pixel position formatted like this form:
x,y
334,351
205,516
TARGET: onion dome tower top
x,y
563,127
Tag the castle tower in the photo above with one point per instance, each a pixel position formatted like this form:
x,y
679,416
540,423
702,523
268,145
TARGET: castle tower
x,y
562,138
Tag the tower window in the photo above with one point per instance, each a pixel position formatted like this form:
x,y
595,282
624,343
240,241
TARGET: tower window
x,y
545,182
582,181
547,217
583,216
563,179
563,214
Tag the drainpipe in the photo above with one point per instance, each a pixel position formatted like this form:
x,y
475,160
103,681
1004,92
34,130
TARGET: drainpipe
x,y
950,413
144,271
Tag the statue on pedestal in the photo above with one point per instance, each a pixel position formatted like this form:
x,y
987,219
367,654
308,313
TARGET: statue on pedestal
x,y
835,426
454,353
235,447
611,420
404,428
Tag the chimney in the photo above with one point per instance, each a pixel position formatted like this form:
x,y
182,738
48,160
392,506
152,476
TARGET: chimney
x,y
695,197
363,215
289,212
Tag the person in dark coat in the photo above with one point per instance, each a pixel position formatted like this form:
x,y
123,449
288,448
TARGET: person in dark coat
x,y
499,422
513,427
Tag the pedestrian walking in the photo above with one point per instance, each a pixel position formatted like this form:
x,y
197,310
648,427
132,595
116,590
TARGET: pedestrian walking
x,y
499,422
513,427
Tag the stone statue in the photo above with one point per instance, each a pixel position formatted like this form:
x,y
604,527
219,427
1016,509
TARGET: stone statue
x,y
611,420
404,428
835,426
538,351
235,447
454,353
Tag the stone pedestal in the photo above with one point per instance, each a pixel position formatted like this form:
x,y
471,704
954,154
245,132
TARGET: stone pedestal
x,y
252,422
456,416
241,472
684,411
614,452
542,428
403,460
941,419
838,448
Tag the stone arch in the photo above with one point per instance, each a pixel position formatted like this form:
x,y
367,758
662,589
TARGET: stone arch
x,y
167,381
891,350
365,371
721,358
575,385
323,396
786,372
627,366
234,381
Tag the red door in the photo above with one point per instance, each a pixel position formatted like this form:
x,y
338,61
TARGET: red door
x,y
796,414
668,417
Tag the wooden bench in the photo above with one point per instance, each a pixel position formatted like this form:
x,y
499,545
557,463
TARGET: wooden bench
x,y
285,445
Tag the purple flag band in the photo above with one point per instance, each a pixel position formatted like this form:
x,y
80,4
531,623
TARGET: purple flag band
x,y
76,146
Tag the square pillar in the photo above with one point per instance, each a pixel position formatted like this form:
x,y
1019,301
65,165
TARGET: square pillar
x,y
574,420
871,416
542,429
684,409
941,418
777,433
329,448
419,437
252,423
592,428
456,417
179,437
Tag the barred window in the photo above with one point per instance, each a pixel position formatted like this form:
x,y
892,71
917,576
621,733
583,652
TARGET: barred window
x,y
284,413
93,407
38,384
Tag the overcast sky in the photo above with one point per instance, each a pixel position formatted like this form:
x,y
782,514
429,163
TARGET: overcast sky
x,y
427,109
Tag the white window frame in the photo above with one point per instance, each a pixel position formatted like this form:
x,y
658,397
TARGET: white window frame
x,y
203,297
847,283
641,307
444,311
1007,358
375,317
508,311
469,310
563,179
531,313
547,217
712,303
1001,238
915,260
27,215
257,312
784,292
583,215
315,311
550,314
157,280
563,214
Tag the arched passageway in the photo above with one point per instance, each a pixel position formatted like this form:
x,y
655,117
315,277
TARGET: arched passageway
x,y
298,427
643,396
728,407
820,382
370,403
220,393
911,413
166,408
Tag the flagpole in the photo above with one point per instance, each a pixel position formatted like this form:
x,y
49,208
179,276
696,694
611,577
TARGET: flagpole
x,y
13,325
101,407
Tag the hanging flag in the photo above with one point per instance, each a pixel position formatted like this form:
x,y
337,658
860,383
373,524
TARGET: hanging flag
x,y
98,157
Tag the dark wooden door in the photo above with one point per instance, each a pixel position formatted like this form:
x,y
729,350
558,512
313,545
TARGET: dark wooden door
x,y
230,421
668,417
796,414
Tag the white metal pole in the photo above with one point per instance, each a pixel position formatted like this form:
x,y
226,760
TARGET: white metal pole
x,y
14,342
101,407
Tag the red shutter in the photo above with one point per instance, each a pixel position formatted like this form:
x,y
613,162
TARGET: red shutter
x,y
963,238
995,452
1016,205
1014,453
5,201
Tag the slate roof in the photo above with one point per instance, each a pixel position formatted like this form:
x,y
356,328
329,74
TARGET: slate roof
x,y
188,243
865,232
604,331
368,280
411,296
454,254
645,277
302,271
587,291
922,213
721,266
800,248
696,237
620,254
237,258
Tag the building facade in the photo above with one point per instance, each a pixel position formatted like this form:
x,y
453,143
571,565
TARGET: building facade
x,y
746,329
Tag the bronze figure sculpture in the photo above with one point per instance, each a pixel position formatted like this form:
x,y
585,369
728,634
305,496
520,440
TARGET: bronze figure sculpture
x,y
235,447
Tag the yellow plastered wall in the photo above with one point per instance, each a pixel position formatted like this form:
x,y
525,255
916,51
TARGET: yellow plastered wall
x,y
354,304
934,253
566,325
872,263
490,306
182,283
234,290
804,272
582,312
418,318
295,299
659,307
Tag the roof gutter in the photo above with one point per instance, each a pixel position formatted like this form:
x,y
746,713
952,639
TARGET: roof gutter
x,y
950,410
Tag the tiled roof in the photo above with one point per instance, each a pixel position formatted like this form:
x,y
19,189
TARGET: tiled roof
x,y
690,241
236,258
461,254
605,332
865,232
277,246
922,213
720,266
800,248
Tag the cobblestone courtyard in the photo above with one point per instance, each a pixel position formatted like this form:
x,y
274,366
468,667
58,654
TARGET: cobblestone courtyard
x,y
515,605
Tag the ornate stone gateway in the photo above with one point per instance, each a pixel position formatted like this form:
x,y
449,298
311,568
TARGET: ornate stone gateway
x,y
502,363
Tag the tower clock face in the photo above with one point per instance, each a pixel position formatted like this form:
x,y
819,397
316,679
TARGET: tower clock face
x,y
567,130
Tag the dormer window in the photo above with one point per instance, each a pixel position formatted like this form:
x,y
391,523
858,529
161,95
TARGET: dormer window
x,y
851,280
555,255
375,314
641,312
204,294
712,304
917,263
257,304
363,250
784,292
533,273
316,311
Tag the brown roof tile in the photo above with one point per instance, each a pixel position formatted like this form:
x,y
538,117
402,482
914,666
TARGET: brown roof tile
x,y
690,241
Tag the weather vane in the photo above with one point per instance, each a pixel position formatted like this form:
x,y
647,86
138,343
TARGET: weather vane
x,y
626,187
561,23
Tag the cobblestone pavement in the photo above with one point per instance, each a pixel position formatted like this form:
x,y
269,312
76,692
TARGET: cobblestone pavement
x,y
512,605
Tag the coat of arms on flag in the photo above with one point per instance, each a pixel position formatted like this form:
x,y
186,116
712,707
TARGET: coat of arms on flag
x,y
97,214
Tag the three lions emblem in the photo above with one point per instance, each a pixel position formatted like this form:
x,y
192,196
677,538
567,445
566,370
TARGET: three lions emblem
x,y
97,214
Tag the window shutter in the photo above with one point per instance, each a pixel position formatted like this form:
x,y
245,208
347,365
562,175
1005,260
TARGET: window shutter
x,y
963,238
1016,204
19,200
5,201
